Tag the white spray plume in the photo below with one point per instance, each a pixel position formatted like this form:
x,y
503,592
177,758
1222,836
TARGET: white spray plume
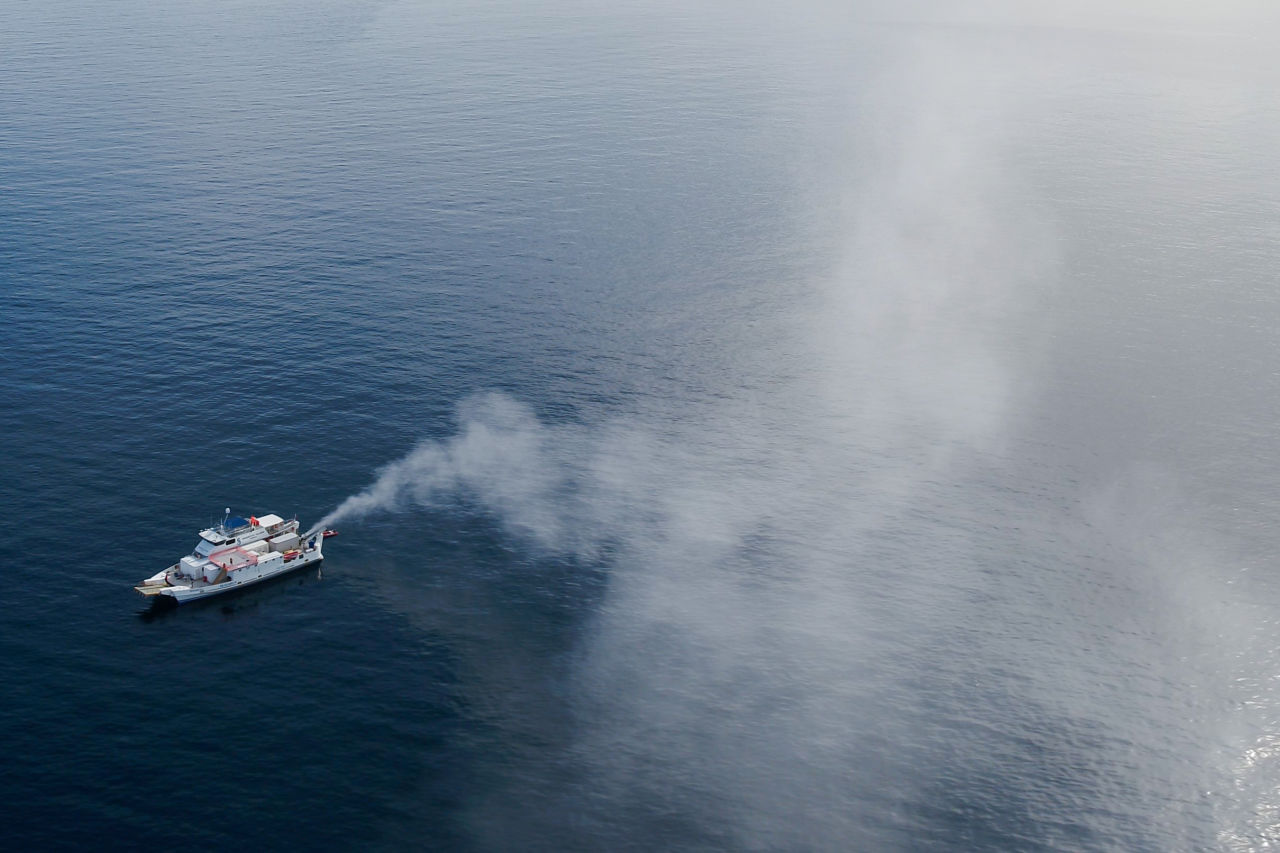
x,y
819,620
740,647
563,488
498,455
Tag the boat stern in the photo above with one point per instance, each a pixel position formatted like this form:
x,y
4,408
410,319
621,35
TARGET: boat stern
x,y
156,584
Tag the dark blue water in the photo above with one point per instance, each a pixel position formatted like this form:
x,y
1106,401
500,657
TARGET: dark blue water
x,y
821,430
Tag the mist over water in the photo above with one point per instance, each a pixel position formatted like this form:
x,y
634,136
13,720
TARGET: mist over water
x,y
852,601
847,428
787,653
561,488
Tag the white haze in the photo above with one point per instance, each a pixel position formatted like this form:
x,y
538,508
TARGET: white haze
x,y
788,565
731,676
564,488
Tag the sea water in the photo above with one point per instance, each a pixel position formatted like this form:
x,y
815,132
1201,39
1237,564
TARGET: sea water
x,y
808,428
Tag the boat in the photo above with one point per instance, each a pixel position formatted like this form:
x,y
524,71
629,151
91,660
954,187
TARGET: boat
x,y
234,554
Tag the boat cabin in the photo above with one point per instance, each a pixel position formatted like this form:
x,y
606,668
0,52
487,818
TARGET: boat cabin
x,y
241,531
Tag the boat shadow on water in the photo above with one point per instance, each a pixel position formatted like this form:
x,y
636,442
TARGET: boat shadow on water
x,y
233,602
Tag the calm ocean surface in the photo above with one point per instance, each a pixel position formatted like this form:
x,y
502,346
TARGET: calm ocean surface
x,y
822,431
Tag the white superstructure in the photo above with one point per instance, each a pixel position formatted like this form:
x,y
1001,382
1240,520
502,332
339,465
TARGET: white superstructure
x,y
234,554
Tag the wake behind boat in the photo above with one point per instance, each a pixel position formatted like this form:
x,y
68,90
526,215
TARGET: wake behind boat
x,y
235,554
